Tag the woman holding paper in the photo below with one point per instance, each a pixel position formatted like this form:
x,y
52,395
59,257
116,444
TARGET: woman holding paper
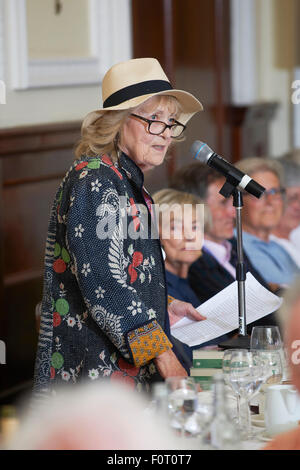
x,y
182,220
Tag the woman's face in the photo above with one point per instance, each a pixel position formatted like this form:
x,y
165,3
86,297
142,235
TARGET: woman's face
x,y
181,233
145,149
263,213
291,217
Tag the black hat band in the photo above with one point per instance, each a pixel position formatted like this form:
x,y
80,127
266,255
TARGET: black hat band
x,y
138,89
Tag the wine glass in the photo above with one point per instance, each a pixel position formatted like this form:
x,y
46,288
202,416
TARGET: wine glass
x,y
183,400
247,374
204,410
266,338
273,366
226,364
226,374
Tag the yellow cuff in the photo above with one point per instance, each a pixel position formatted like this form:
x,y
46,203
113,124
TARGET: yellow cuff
x,y
170,299
147,342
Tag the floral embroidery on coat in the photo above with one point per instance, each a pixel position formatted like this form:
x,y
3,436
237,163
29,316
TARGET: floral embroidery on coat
x,y
104,288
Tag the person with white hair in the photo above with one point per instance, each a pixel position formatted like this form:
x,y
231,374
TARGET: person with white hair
x,y
96,416
290,320
260,217
285,232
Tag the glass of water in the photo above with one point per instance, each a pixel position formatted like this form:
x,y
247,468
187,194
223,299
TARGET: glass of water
x,y
246,376
182,399
267,338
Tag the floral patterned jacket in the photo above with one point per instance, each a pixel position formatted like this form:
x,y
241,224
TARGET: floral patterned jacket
x,y
104,308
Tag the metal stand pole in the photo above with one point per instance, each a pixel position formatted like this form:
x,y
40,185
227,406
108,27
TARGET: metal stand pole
x,y
242,341
240,267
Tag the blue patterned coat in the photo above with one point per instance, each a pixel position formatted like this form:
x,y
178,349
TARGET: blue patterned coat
x,y
104,308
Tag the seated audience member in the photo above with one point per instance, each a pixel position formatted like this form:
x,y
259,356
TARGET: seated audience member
x,y
181,235
294,157
291,213
182,219
216,268
260,217
295,237
290,316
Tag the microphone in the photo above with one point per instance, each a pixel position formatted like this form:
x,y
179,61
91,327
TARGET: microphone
x,y
236,177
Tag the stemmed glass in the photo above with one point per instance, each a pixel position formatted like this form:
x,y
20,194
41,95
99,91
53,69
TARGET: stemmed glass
x,y
267,340
226,374
247,374
204,406
183,400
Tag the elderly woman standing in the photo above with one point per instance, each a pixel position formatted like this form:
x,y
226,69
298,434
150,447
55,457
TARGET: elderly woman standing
x,y
104,308
260,217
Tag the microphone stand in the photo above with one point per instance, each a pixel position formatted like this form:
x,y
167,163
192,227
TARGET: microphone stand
x,y
242,341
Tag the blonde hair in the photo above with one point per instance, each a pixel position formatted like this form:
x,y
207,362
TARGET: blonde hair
x,y
101,136
104,134
169,197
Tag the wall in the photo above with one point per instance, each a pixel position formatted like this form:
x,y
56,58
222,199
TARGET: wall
x,y
39,125
27,105
61,34
276,59
263,57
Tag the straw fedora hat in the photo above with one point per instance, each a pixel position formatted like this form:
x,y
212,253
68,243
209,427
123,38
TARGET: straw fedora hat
x,y
129,84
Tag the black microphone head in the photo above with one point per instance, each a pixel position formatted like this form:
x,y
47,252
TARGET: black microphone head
x,y
201,151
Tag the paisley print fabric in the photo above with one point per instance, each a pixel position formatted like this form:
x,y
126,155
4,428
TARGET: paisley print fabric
x,y
104,295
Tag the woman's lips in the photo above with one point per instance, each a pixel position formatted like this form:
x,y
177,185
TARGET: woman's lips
x,y
159,148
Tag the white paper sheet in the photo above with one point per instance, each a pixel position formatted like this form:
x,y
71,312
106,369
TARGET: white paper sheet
x,y
222,312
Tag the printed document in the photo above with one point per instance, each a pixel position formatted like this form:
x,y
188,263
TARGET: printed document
x,y
222,312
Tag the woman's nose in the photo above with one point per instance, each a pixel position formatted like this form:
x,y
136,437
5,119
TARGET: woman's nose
x,y
189,234
167,133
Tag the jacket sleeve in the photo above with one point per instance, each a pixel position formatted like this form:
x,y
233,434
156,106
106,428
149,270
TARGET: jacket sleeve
x,y
96,240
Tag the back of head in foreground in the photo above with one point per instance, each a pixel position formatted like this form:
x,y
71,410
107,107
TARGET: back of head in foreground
x,y
98,416
290,320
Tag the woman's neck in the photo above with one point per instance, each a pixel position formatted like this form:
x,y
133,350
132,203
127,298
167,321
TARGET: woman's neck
x,y
177,268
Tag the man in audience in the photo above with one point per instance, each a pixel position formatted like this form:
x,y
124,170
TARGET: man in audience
x,y
291,214
260,217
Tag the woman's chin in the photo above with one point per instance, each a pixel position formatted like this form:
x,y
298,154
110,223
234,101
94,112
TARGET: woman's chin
x,y
151,165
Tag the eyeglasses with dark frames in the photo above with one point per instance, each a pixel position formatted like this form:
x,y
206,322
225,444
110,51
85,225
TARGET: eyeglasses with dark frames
x,y
278,193
158,127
